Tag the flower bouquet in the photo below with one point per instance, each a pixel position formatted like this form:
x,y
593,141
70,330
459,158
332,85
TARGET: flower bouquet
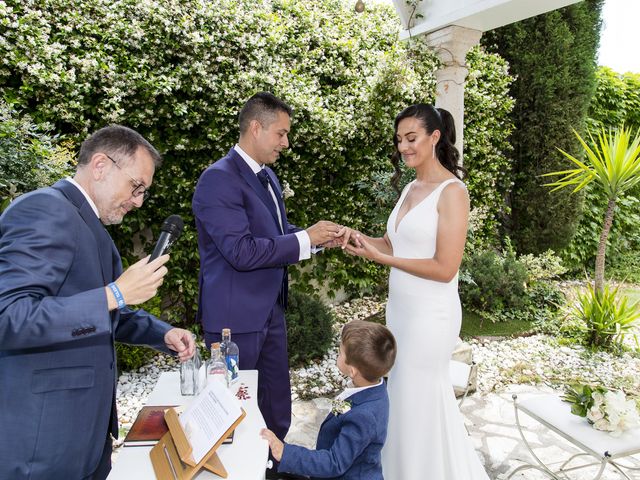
x,y
607,410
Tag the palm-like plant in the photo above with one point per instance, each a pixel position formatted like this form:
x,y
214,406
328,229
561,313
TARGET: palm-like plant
x,y
607,319
613,162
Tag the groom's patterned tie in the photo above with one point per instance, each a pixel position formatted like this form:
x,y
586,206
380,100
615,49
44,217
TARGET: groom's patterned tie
x,y
263,176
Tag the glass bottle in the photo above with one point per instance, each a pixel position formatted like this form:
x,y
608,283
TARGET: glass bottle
x,y
190,373
216,367
231,356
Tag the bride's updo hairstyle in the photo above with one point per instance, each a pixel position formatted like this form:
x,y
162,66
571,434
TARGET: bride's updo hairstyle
x,y
431,118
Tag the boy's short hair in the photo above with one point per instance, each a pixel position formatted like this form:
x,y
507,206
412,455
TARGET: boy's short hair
x,y
369,347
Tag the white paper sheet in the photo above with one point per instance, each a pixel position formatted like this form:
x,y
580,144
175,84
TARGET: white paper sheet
x,y
208,417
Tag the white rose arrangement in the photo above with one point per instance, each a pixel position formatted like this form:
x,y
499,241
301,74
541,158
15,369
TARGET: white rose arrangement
x,y
607,410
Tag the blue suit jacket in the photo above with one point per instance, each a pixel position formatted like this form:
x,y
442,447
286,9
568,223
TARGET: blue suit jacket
x,y
243,252
57,360
349,445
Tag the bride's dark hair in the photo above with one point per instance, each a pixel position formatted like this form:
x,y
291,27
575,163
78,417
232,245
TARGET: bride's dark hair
x,y
432,118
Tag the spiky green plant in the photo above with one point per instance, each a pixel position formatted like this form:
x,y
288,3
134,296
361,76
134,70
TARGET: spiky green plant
x,y
607,320
613,162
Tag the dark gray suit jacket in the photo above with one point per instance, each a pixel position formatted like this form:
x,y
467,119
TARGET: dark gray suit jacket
x,y
57,359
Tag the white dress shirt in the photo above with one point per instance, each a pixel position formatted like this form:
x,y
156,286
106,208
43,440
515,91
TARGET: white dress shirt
x,y
86,195
303,237
351,390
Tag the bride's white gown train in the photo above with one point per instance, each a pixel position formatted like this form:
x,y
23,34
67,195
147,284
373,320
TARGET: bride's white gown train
x,y
426,437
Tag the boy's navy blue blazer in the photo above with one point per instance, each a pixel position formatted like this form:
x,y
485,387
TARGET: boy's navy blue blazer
x,y
349,445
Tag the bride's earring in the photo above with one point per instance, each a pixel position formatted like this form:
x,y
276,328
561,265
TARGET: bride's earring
x,y
433,150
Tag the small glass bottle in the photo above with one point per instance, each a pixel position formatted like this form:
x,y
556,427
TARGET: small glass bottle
x,y
216,368
190,373
231,356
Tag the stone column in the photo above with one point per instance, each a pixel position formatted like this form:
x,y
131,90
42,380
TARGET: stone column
x,y
451,44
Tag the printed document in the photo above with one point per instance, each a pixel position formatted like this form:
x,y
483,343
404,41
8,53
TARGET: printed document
x,y
209,417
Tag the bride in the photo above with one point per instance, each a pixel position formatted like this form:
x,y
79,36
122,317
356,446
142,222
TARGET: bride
x,y
423,245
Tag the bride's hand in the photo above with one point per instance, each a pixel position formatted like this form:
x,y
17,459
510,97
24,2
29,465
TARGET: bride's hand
x,y
341,239
346,235
360,247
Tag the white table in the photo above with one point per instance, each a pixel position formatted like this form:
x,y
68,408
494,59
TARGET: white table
x,y
245,459
556,415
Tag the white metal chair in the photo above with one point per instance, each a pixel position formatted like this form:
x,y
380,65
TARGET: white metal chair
x,y
556,415
461,377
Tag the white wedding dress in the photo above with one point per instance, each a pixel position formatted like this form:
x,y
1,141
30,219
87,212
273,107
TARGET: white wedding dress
x,y
426,438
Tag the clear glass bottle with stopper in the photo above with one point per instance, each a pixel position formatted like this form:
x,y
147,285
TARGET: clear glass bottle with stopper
x,y
216,367
231,355
190,383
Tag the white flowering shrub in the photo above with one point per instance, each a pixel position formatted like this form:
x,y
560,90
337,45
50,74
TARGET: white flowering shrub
x,y
30,157
487,150
179,70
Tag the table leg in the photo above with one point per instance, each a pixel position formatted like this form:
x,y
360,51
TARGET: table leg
x,y
541,466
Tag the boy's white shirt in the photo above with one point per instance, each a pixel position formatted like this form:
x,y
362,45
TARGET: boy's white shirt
x,y
351,390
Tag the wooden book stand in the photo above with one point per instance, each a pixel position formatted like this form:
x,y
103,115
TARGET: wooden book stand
x,y
172,457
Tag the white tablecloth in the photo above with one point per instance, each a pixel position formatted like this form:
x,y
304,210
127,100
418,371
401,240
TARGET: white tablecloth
x,y
245,459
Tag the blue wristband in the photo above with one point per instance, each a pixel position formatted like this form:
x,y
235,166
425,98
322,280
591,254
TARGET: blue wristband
x,y
118,295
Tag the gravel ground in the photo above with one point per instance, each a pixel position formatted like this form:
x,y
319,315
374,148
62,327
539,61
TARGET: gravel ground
x,y
533,360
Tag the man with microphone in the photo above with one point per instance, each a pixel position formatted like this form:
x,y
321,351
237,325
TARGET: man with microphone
x,y
64,301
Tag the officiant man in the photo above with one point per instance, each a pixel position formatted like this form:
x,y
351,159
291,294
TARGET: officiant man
x,y
63,303
246,243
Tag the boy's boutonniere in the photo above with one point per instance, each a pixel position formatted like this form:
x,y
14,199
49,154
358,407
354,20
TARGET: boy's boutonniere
x,y
340,407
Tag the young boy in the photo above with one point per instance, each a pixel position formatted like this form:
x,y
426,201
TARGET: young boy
x,y
351,437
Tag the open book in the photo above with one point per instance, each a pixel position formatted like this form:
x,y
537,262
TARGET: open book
x,y
150,425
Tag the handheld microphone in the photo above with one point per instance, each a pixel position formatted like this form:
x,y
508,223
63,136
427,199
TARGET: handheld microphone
x,y
169,233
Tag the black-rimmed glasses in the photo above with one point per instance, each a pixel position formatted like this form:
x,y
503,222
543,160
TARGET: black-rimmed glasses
x,y
139,188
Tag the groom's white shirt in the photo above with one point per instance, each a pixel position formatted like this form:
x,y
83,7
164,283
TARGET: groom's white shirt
x,y
303,237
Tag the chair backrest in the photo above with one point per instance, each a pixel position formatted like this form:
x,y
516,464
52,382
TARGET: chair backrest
x,y
459,373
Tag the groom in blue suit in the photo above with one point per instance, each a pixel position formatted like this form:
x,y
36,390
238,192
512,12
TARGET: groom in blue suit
x,y
246,243
63,303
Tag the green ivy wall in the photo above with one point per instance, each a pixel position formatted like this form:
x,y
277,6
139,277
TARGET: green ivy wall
x,y
178,71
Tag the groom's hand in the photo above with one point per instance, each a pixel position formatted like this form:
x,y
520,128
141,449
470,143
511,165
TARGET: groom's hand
x,y
339,240
180,341
323,232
